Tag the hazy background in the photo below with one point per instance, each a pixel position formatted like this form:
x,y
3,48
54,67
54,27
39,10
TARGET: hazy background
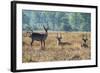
x,y
57,21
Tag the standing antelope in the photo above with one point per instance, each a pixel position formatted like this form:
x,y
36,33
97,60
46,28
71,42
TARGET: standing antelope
x,y
85,41
61,43
40,37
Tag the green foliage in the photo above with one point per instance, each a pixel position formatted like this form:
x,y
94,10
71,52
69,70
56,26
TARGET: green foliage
x,y
57,21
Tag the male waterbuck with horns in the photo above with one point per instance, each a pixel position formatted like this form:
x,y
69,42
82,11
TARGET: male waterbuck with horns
x,y
40,37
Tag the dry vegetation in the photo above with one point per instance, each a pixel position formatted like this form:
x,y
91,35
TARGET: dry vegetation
x,y
54,52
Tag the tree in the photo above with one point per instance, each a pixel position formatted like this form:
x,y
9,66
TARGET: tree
x,y
56,20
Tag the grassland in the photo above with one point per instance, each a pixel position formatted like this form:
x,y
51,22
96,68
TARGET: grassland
x,y
54,52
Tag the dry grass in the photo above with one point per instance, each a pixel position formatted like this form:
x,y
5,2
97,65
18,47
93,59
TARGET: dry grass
x,y
54,52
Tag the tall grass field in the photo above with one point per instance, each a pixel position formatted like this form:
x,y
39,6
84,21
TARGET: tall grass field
x,y
55,52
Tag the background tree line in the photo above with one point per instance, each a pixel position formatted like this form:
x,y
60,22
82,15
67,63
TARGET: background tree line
x,y
57,21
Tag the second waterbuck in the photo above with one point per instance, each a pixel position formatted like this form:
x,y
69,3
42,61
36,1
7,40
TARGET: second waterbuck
x,y
40,37
60,42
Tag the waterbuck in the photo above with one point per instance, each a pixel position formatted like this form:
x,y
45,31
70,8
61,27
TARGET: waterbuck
x,y
84,41
60,42
40,37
